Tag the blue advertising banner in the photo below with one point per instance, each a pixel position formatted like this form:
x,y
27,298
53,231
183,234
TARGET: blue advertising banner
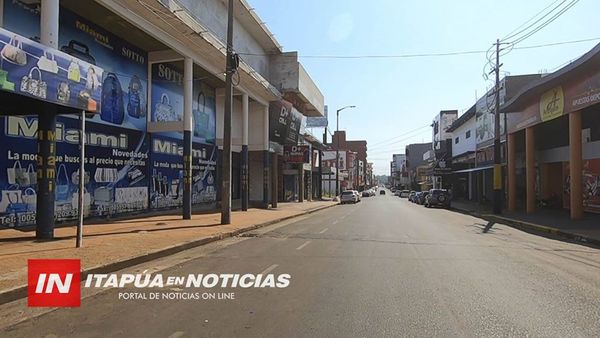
x,y
166,189
126,170
31,69
115,176
167,102
122,87
117,146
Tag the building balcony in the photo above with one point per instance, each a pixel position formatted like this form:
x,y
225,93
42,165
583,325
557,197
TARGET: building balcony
x,y
297,87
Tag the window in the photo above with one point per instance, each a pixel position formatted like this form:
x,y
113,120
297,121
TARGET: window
x,y
456,140
468,134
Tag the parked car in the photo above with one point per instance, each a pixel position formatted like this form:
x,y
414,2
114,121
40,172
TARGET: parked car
x,y
438,197
415,198
381,192
348,196
422,197
411,196
366,193
357,195
404,193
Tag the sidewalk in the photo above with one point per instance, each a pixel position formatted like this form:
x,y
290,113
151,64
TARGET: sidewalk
x,y
550,221
118,244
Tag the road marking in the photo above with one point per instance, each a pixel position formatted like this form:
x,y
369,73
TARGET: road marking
x,y
303,245
269,269
324,230
177,334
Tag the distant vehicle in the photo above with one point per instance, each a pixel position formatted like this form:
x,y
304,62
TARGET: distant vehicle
x,y
422,197
415,197
404,193
397,193
348,196
366,193
438,197
381,192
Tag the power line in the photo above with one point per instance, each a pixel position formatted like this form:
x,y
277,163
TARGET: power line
x,y
395,137
547,22
398,56
511,35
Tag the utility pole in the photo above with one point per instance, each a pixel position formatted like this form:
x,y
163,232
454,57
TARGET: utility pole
x,y
226,185
498,197
337,153
337,149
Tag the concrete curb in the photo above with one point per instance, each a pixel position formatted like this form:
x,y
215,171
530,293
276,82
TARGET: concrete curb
x,y
534,228
19,292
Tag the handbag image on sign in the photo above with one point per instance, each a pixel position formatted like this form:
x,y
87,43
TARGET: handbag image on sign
x,y
29,197
13,52
164,111
47,63
79,50
63,94
201,118
87,201
74,72
15,204
62,184
91,81
135,107
32,86
18,175
112,107
9,196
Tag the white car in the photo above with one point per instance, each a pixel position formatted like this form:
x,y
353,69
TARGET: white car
x,y
357,195
348,196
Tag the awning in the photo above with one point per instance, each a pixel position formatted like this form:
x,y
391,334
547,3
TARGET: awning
x,y
473,169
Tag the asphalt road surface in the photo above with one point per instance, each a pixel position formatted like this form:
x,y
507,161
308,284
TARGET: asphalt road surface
x,y
383,267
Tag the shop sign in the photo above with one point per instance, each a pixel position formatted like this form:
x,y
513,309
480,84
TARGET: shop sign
x,y
552,104
166,103
572,95
167,176
296,154
285,122
31,69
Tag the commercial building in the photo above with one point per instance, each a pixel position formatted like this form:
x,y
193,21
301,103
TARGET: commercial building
x,y
152,72
416,164
440,158
399,173
554,139
357,146
472,133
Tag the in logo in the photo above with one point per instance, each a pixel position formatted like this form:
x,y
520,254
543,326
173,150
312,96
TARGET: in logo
x,y
53,282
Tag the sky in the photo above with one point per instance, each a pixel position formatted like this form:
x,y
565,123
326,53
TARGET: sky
x,y
397,98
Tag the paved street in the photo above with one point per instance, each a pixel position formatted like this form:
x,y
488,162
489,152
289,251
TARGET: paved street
x,y
383,267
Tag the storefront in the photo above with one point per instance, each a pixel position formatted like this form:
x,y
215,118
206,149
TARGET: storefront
x,y
129,168
554,140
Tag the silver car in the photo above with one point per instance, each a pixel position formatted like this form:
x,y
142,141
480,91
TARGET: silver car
x,y
348,196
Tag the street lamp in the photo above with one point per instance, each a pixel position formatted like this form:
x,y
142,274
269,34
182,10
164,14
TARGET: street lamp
x,y
337,149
